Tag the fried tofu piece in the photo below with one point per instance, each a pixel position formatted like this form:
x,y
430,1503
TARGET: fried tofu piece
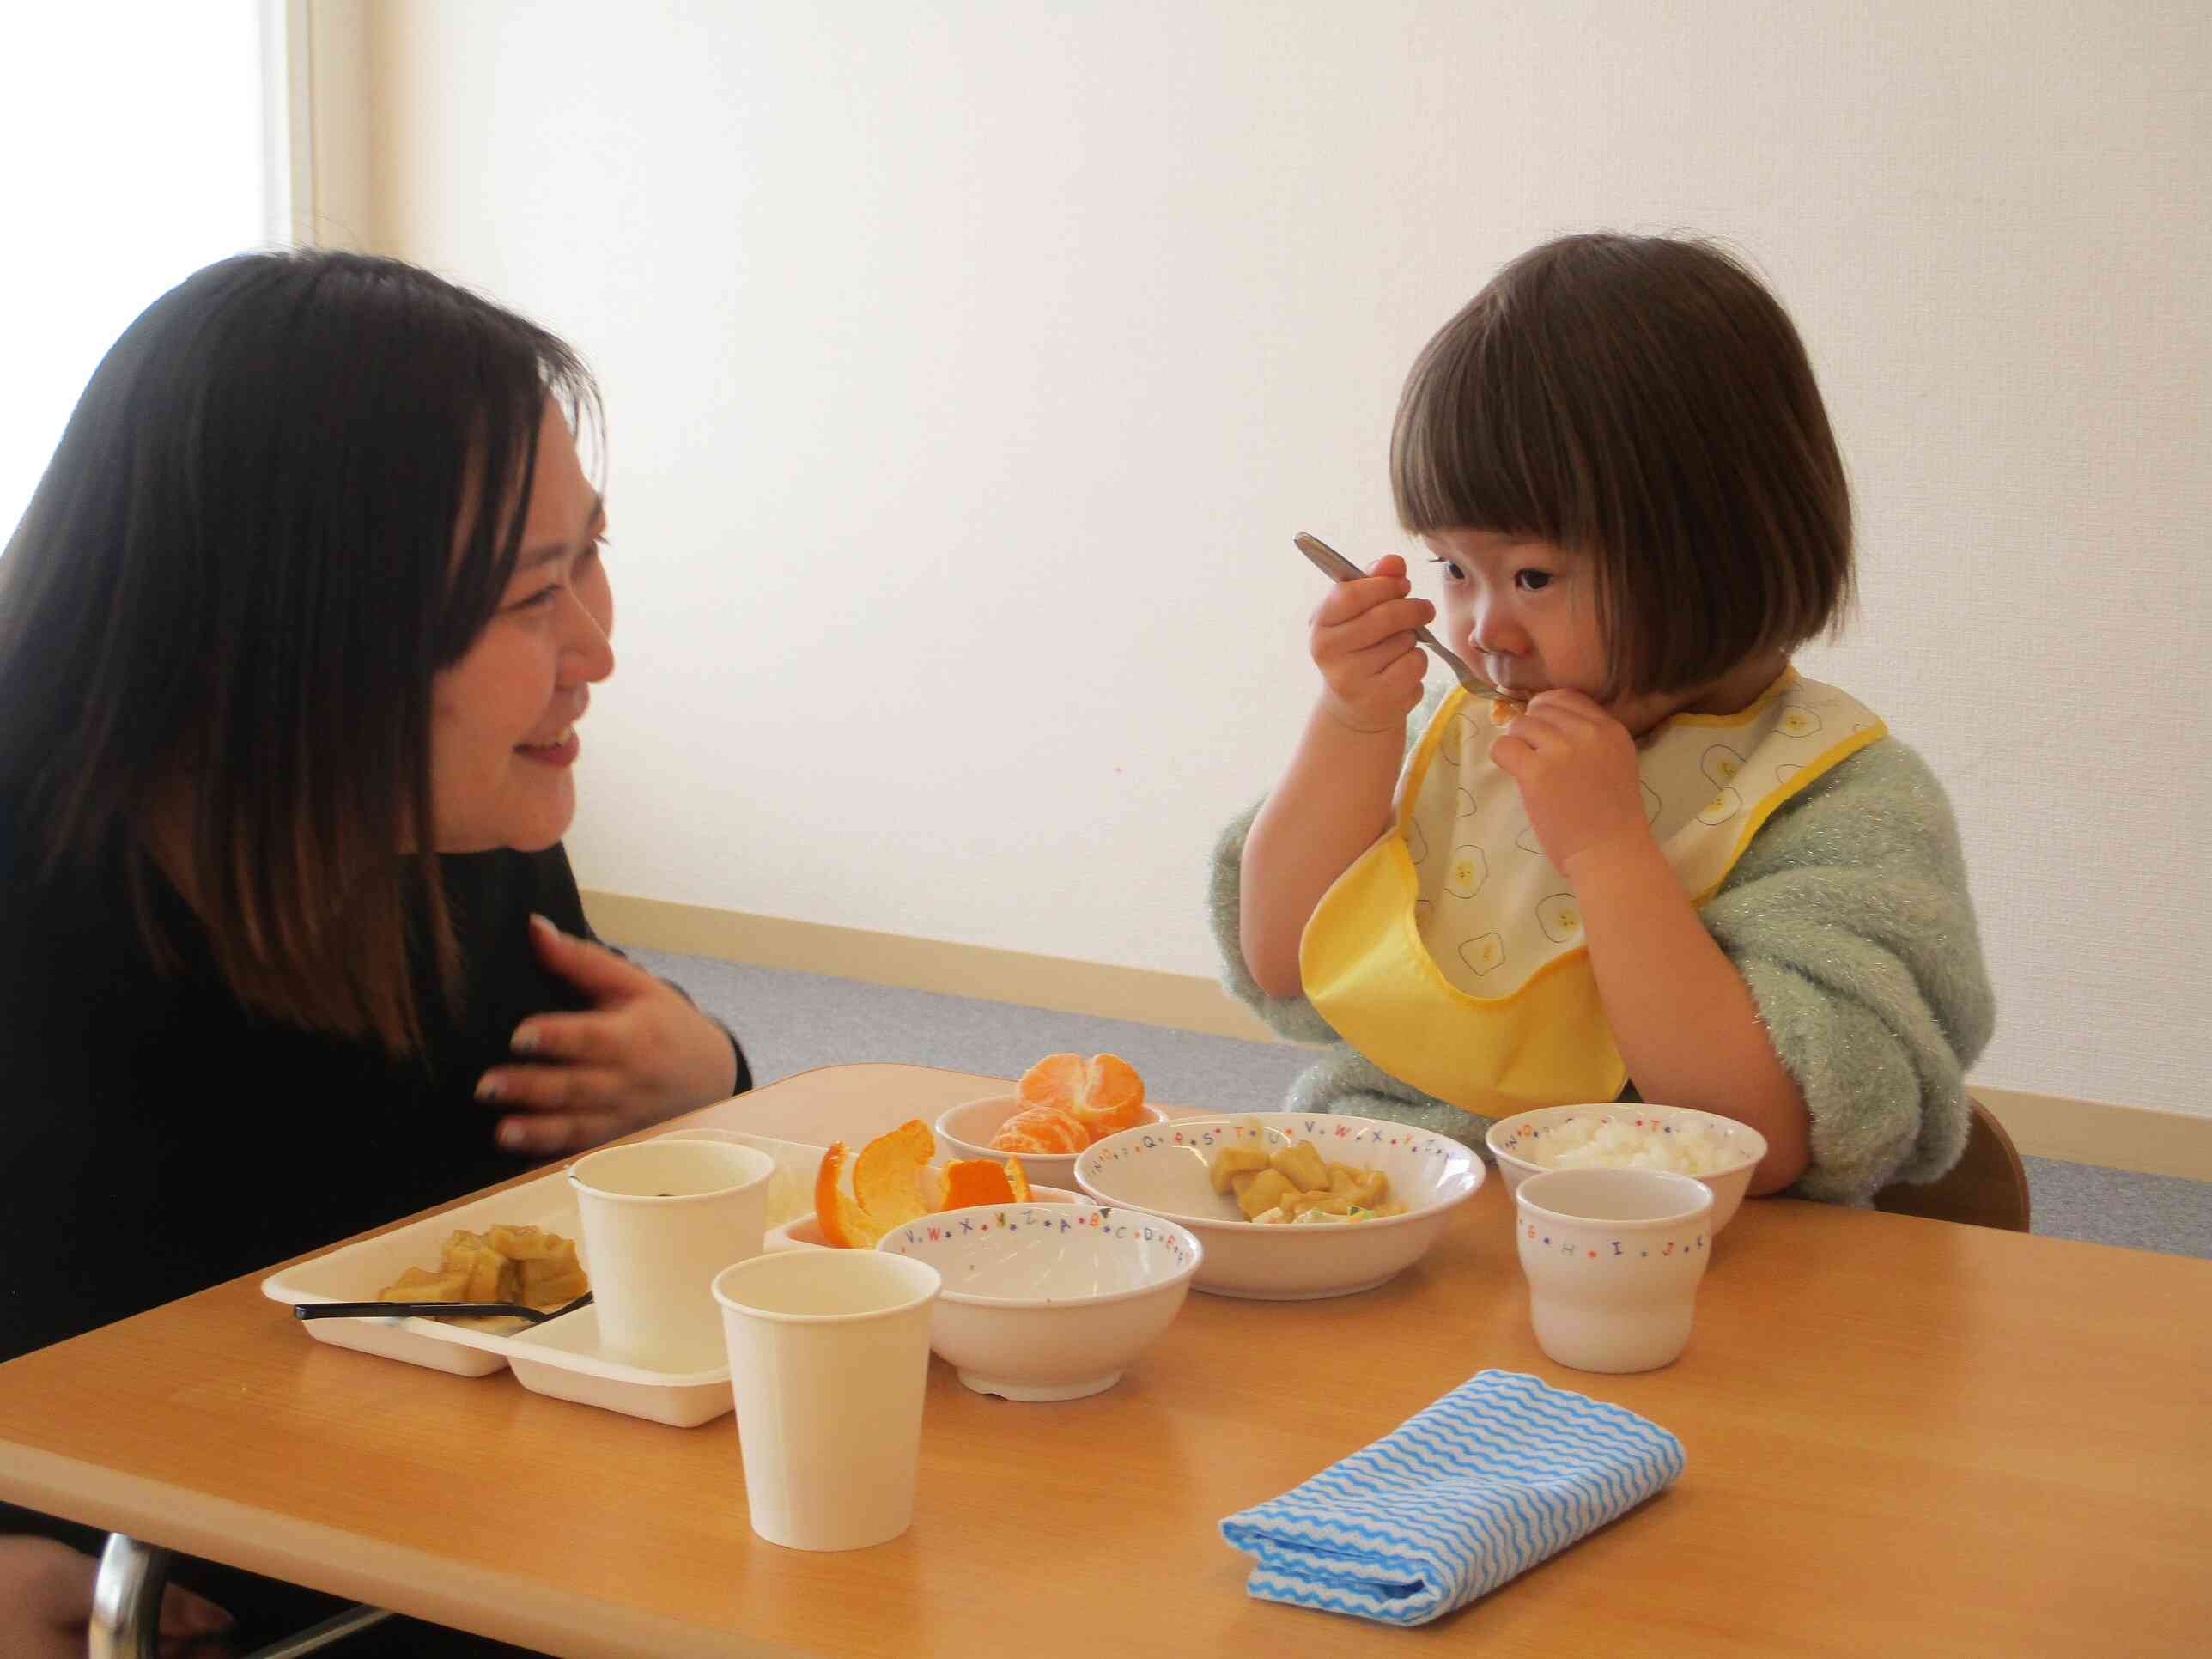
x,y
547,1283
524,1264
421,1285
492,1276
1263,1191
529,1244
1232,1161
1301,1165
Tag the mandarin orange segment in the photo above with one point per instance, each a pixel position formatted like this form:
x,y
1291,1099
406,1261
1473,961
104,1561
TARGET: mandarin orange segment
x,y
1018,1180
1103,1093
1043,1130
844,1225
1503,711
969,1181
887,1176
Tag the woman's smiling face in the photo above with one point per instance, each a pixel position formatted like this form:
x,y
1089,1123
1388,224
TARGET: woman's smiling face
x,y
503,739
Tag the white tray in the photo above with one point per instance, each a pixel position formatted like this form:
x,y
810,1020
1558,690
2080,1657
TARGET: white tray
x,y
560,1358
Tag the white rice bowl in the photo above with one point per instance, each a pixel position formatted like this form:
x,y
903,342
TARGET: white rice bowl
x,y
1717,1151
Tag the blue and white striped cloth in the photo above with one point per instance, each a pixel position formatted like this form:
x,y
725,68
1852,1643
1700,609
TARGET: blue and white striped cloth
x,y
1502,1473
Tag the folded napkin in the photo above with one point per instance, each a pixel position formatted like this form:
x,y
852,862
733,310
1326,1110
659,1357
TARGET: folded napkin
x,y
1502,1473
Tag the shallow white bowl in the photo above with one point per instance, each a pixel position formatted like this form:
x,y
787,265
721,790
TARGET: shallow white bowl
x,y
1049,1301
1517,1144
965,1130
804,1232
1163,1171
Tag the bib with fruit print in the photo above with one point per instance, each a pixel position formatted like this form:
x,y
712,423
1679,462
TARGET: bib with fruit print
x,y
1451,953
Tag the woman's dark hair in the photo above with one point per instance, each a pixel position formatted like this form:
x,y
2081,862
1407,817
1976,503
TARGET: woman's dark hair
x,y
1644,400
292,492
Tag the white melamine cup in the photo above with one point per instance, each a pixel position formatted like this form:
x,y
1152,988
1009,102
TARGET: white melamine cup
x,y
828,1358
1613,1258
661,1219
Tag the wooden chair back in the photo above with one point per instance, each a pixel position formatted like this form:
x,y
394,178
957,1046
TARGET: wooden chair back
x,y
1987,1186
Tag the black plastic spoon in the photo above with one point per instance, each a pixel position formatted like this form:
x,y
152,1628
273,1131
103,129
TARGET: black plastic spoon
x,y
430,1310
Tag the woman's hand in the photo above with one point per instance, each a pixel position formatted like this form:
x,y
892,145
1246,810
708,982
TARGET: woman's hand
x,y
1575,768
639,1053
1362,641
45,1605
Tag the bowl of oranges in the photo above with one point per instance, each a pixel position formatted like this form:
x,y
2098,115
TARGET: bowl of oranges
x,y
1063,1104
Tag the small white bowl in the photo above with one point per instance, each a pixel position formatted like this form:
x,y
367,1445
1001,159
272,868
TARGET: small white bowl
x,y
1049,1301
804,1232
965,1130
1517,1144
1163,1171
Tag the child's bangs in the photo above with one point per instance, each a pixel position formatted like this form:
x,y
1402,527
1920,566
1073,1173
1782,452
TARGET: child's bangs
x,y
1479,445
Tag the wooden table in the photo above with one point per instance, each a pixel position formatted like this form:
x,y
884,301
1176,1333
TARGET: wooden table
x,y
1904,1437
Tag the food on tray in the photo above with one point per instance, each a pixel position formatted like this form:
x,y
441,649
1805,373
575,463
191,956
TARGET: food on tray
x,y
1295,1184
1686,1146
893,1184
1068,1102
527,1265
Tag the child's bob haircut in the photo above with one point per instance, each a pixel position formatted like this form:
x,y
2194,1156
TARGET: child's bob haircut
x,y
1643,400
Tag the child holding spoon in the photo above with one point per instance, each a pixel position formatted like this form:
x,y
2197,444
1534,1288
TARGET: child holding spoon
x,y
1671,867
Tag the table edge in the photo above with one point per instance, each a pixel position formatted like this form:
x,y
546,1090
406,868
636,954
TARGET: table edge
x,y
303,1552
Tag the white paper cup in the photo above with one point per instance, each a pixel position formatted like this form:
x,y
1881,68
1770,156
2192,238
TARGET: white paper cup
x,y
1613,1258
661,1219
828,1358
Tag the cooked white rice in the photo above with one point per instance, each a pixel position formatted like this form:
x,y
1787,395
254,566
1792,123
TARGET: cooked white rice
x,y
1591,1143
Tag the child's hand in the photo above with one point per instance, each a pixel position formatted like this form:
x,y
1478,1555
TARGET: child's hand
x,y
1362,643
1576,767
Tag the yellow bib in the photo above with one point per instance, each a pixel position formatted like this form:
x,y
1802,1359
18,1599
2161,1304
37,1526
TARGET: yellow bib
x,y
1451,953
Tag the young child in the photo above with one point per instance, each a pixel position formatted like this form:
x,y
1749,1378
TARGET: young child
x,y
1662,865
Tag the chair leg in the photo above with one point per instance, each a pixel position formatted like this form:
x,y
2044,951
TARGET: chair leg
x,y
126,1608
126,1600
315,1637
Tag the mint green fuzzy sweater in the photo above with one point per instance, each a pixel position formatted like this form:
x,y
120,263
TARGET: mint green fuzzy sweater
x,y
1849,918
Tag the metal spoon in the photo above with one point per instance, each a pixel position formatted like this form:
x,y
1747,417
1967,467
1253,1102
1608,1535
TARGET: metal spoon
x,y
430,1310
1334,564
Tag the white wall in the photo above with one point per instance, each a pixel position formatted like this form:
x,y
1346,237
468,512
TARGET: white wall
x,y
971,366
124,170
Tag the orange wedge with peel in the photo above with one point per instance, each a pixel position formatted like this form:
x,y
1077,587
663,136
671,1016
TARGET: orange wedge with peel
x,y
969,1181
844,1224
1102,1093
1018,1181
1040,1129
887,1176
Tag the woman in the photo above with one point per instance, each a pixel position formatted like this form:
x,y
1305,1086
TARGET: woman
x,y
295,637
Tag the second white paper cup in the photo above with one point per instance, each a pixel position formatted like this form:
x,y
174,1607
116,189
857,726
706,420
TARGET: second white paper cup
x,y
828,1360
661,1219
1613,1258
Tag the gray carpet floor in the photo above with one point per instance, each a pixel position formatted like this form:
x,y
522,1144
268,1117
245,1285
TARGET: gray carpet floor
x,y
793,1021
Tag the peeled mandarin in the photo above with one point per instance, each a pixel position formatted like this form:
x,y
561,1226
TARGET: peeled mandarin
x,y
1040,1129
1503,711
1103,1093
844,1225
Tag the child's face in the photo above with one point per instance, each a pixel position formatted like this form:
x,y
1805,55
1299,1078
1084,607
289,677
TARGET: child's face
x,y
1524,613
